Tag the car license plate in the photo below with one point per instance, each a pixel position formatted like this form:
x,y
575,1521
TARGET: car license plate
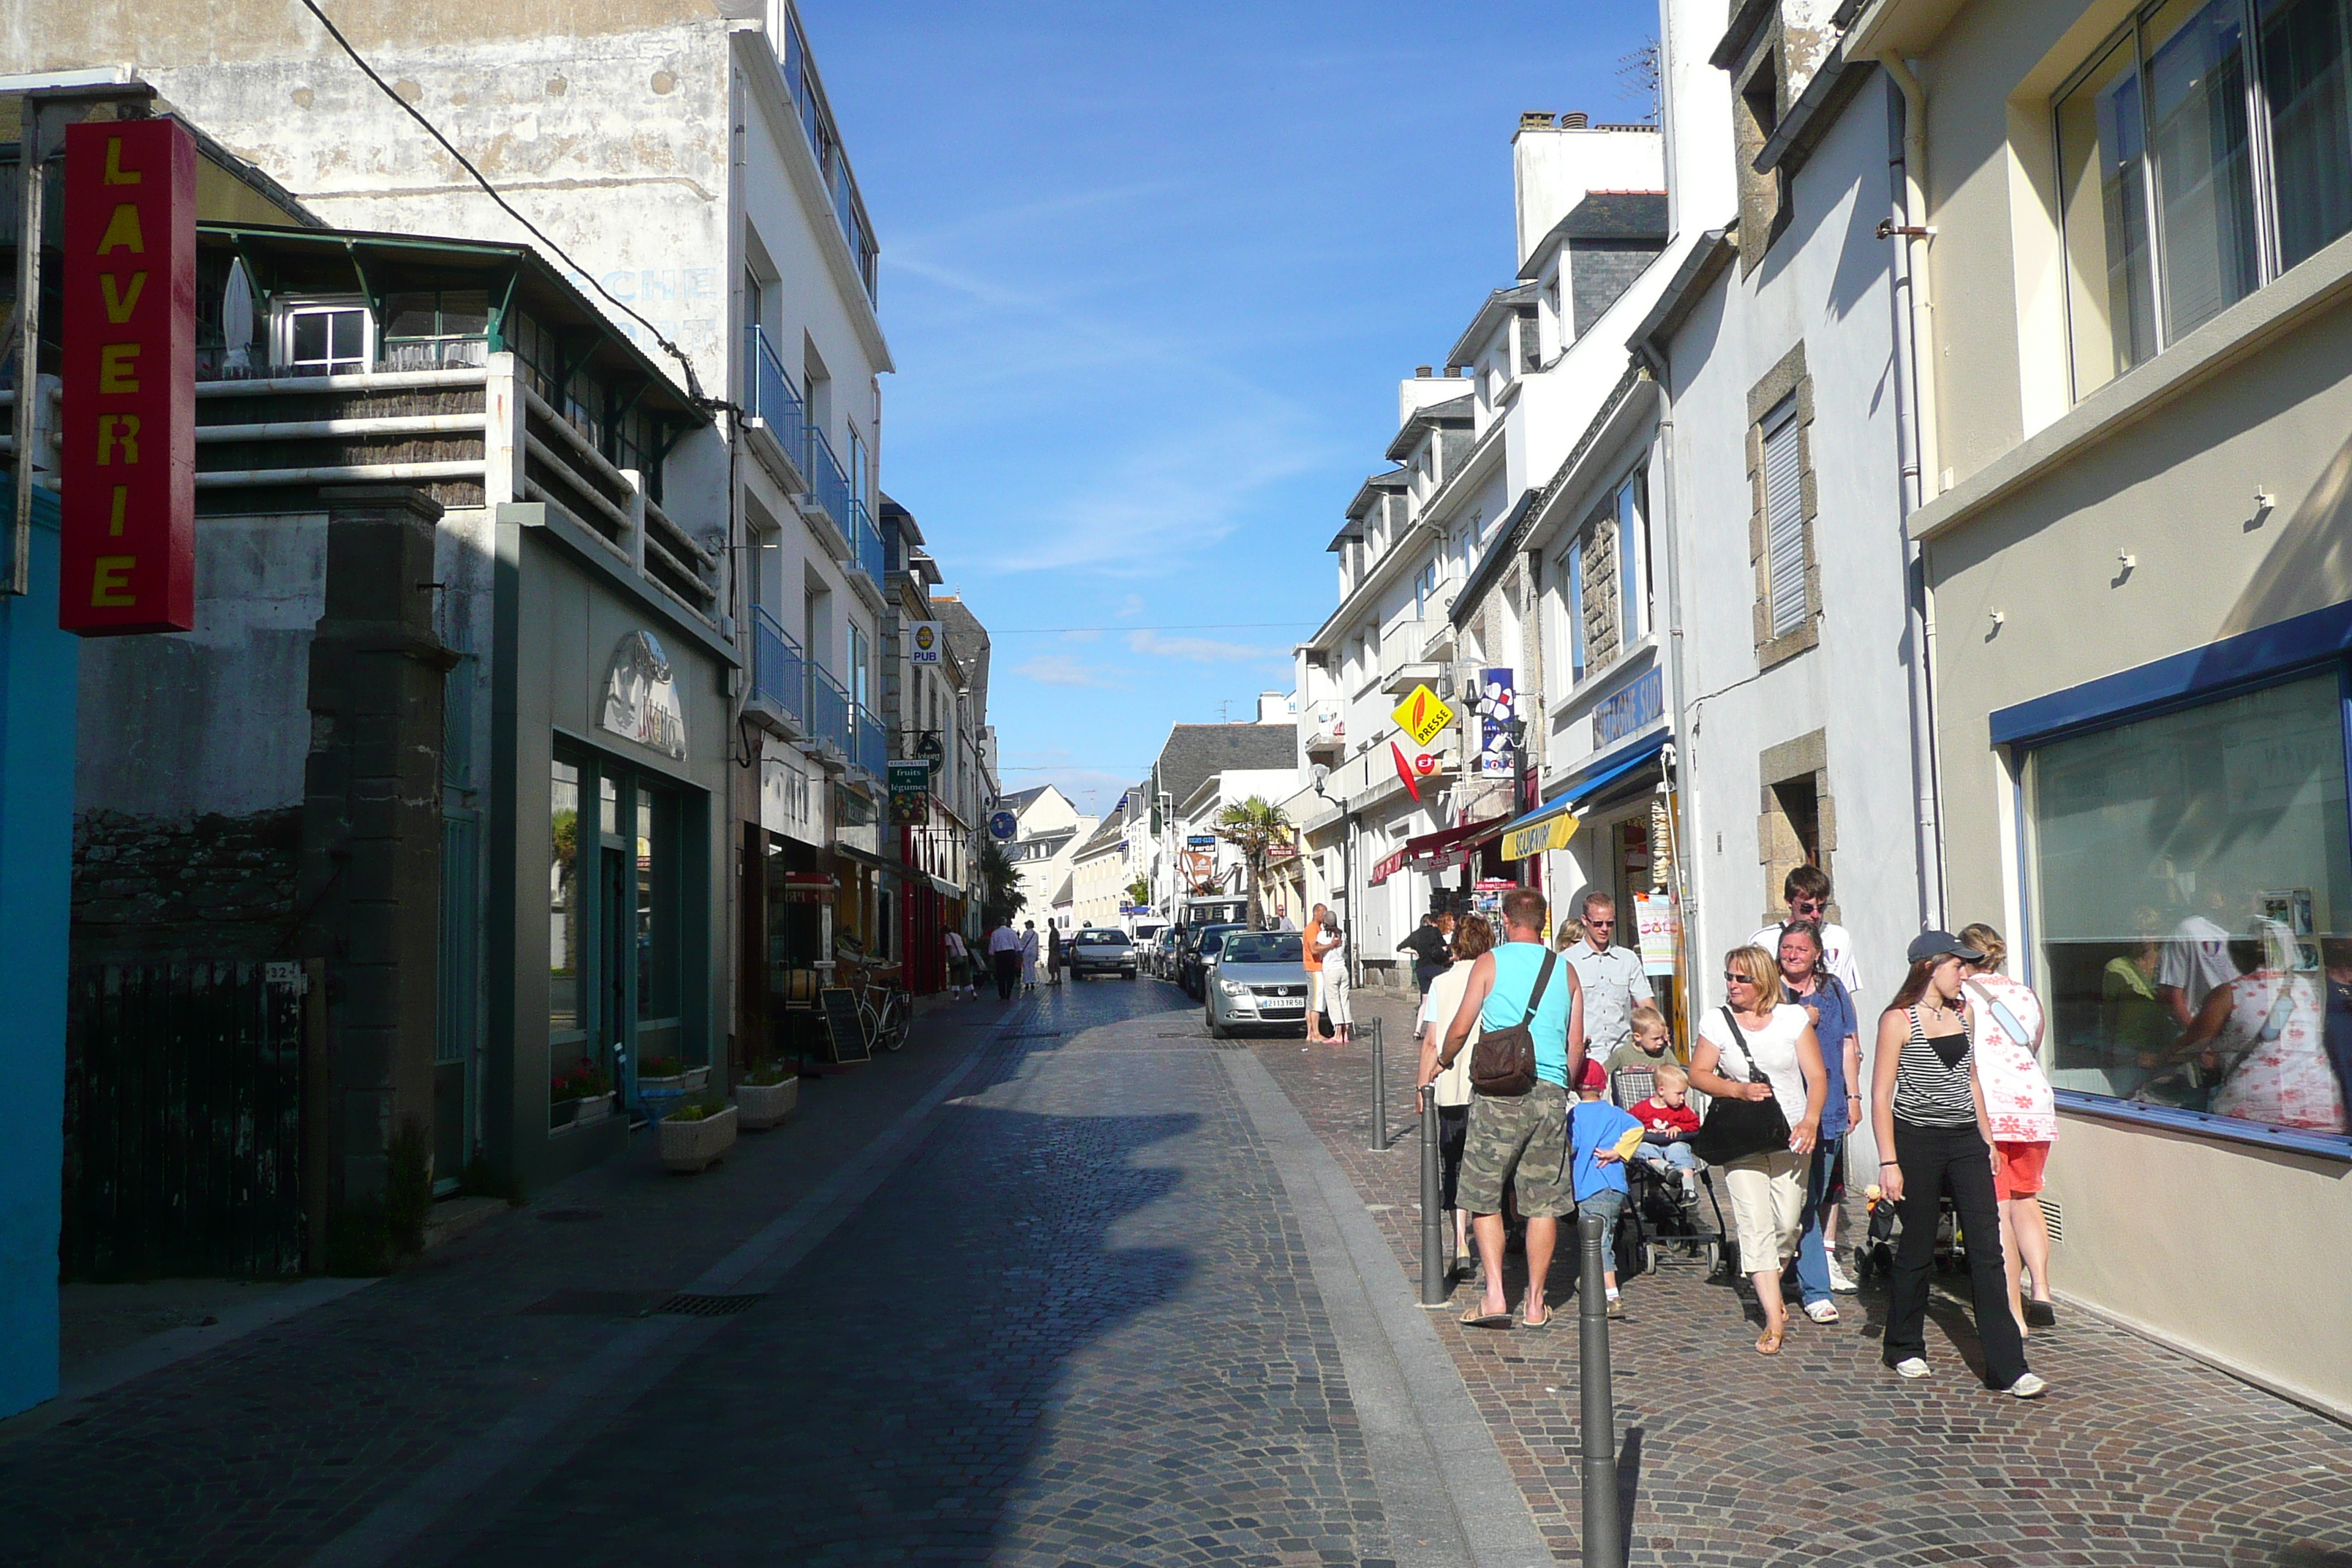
x,y
1283,1009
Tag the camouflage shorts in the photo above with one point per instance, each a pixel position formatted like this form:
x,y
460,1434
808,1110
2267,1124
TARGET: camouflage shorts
x,y
1523,1141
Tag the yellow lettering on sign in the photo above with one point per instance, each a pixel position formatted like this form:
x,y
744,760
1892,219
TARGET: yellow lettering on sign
x,y
109,585
120,302
121,500
116,175
116,372
118,430
123,229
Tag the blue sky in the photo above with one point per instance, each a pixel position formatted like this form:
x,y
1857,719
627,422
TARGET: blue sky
x,y
1151,274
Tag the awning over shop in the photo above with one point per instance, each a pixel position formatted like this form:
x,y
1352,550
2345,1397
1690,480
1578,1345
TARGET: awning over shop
x,y
1552,825
1443,850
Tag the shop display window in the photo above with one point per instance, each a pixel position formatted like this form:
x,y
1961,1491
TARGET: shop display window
x,y
2191,883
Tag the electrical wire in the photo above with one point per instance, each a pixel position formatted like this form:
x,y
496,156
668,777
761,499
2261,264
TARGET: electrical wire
x,y
693,385
1191,627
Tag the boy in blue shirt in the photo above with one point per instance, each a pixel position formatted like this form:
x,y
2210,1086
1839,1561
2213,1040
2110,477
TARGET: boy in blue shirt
x,y
1601,1139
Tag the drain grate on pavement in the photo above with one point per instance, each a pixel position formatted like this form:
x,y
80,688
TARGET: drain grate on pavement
x,y
569,1216
688,1304
595,1304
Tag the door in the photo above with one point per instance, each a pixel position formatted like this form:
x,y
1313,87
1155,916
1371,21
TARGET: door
x,y
616,1023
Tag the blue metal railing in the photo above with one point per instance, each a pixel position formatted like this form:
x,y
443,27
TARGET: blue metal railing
x,y
827,483
828,709
870,753
779,671
864,541
770,392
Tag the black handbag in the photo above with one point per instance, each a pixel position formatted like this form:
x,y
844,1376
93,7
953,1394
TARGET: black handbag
x,y
1502,1062
1735,1129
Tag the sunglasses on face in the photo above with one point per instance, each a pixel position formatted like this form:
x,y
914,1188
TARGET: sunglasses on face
x,y
1809,906
1738,980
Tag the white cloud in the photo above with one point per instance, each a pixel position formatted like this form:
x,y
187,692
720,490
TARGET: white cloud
x,y
1083,633
1131,605
1061,670
1201,650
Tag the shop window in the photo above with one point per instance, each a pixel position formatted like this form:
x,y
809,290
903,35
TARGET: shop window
x,y
2191,889
657,921
2204,150
563,904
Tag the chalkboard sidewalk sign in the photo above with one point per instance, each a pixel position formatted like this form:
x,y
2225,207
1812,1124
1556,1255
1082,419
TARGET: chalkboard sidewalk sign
x,y
847,1029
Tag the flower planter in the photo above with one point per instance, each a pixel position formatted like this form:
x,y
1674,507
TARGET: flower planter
x,y
691,1082
593,1109
763,1105
690,1146
561,1114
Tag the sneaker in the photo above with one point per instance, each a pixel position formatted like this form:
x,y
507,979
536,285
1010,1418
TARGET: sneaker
x,y
2028,1387
1616,1306
1839,1280
1822,1311
1911,1366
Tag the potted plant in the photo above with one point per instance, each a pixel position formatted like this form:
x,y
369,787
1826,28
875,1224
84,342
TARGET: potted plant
x,y
694,1136
592,1089
668,1075
768,1094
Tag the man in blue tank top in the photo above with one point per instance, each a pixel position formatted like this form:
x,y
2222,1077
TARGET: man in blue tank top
x,y
1520,1140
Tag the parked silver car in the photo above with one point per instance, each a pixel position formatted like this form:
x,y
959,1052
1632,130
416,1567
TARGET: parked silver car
x,y
1259,982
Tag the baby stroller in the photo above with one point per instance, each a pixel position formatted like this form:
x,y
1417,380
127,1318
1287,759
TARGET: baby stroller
x,y
1661,1215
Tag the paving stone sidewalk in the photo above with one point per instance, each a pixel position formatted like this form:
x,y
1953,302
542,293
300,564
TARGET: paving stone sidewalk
x,y
2138,1457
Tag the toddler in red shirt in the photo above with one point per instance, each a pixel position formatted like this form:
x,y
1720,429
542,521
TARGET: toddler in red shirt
x,y
1668,1124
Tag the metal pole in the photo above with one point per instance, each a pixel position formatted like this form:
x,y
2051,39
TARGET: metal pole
x,y
1380,1090
1604,1534
1436,1288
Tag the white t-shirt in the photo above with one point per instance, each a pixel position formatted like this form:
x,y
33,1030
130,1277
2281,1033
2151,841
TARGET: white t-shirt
x,y
1837,951
1003,941
1445,1000
1774,1049
2196,960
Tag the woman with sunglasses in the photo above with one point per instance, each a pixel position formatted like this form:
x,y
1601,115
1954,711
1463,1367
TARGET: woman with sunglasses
x,y
1934,1138
1771,1046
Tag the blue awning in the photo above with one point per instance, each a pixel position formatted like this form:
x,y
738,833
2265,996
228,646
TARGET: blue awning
x,y
1591,779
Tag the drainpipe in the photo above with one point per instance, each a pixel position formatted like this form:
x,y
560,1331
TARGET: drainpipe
x,y
1914,420
1682,748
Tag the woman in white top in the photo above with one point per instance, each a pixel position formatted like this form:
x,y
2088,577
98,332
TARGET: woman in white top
x,y
1335,982
2264,1034
1472,937
1758,1032
2005,1024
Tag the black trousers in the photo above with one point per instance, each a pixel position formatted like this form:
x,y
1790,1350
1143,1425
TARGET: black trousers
x,y
1453,1137
1936,1160
1008,973
1423,971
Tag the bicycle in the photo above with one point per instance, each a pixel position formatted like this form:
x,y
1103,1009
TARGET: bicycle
x,y
885,1022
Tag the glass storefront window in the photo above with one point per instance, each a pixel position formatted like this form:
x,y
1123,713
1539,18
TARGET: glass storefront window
x,y
564,900
2192,888
657,924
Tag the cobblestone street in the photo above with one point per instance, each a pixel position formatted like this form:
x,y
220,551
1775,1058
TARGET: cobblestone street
x,y
1067,1284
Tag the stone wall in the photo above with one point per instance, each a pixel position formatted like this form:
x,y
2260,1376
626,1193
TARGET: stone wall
x,y
146,889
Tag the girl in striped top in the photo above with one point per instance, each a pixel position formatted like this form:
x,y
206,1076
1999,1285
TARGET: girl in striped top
x,y
1933,1139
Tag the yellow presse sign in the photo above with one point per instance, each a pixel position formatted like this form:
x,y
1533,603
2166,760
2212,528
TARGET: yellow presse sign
x,y
1423,715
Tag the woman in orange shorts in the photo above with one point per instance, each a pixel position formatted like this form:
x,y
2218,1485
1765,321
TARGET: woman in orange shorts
x,y
2005,1021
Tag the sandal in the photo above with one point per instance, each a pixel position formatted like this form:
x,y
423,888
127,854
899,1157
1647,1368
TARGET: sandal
x,y
1479,1318
1768,1343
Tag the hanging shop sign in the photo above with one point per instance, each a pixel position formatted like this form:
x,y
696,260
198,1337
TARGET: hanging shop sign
x,y
641,698
1538,837
1423,715
1499,704
1630,711
1201,841
1654,914
910,793
924,640
1003,825
128,464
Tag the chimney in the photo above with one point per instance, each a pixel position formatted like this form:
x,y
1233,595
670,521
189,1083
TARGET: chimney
x,y
1422,372
1575,120
1536,119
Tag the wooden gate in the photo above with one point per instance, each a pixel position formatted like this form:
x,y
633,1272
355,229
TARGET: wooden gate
x,y
184,1150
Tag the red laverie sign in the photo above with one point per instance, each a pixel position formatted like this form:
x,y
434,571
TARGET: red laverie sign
x,y
128,473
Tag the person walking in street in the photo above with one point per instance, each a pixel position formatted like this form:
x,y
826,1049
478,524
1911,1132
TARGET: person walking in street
x,y
1520,1141
1028,955
2005,1021
1934,1138
1806,891
1052,955
1836,1030
959,958
1427,945
1610,979
1005,957
1310,958
1472,938
1337,1011
1768,1042
1601,1139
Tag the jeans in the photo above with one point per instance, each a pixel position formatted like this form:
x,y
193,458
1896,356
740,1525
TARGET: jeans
x,y
1604,1207
1669,1157
1812,1253
1936,1160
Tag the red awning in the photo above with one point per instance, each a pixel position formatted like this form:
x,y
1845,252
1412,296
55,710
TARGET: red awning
x,y
1446,849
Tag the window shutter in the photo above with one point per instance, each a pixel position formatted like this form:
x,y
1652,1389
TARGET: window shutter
x,y
1784,522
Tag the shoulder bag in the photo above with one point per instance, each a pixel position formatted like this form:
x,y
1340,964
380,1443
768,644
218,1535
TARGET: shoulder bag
x,y
1503,1063
1735,1129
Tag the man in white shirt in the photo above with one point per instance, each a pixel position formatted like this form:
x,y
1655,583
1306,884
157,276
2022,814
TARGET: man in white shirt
x,y
1614,980
1005,957
1806,891
2194,964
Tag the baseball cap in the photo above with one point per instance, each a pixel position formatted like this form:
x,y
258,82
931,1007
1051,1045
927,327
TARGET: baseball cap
x,y
1942,944
1592,1075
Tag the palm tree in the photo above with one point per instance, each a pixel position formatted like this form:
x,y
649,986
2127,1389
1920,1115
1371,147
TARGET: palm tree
x,y
1257,829
1000,882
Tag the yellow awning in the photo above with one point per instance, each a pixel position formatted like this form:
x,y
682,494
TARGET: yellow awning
x,y
1551,832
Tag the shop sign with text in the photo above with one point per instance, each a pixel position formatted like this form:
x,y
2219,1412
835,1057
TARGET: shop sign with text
x,y
128,467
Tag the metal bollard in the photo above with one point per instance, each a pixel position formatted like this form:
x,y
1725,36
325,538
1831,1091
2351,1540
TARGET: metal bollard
x,y
1604,1534
1437,1285
1380,1090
